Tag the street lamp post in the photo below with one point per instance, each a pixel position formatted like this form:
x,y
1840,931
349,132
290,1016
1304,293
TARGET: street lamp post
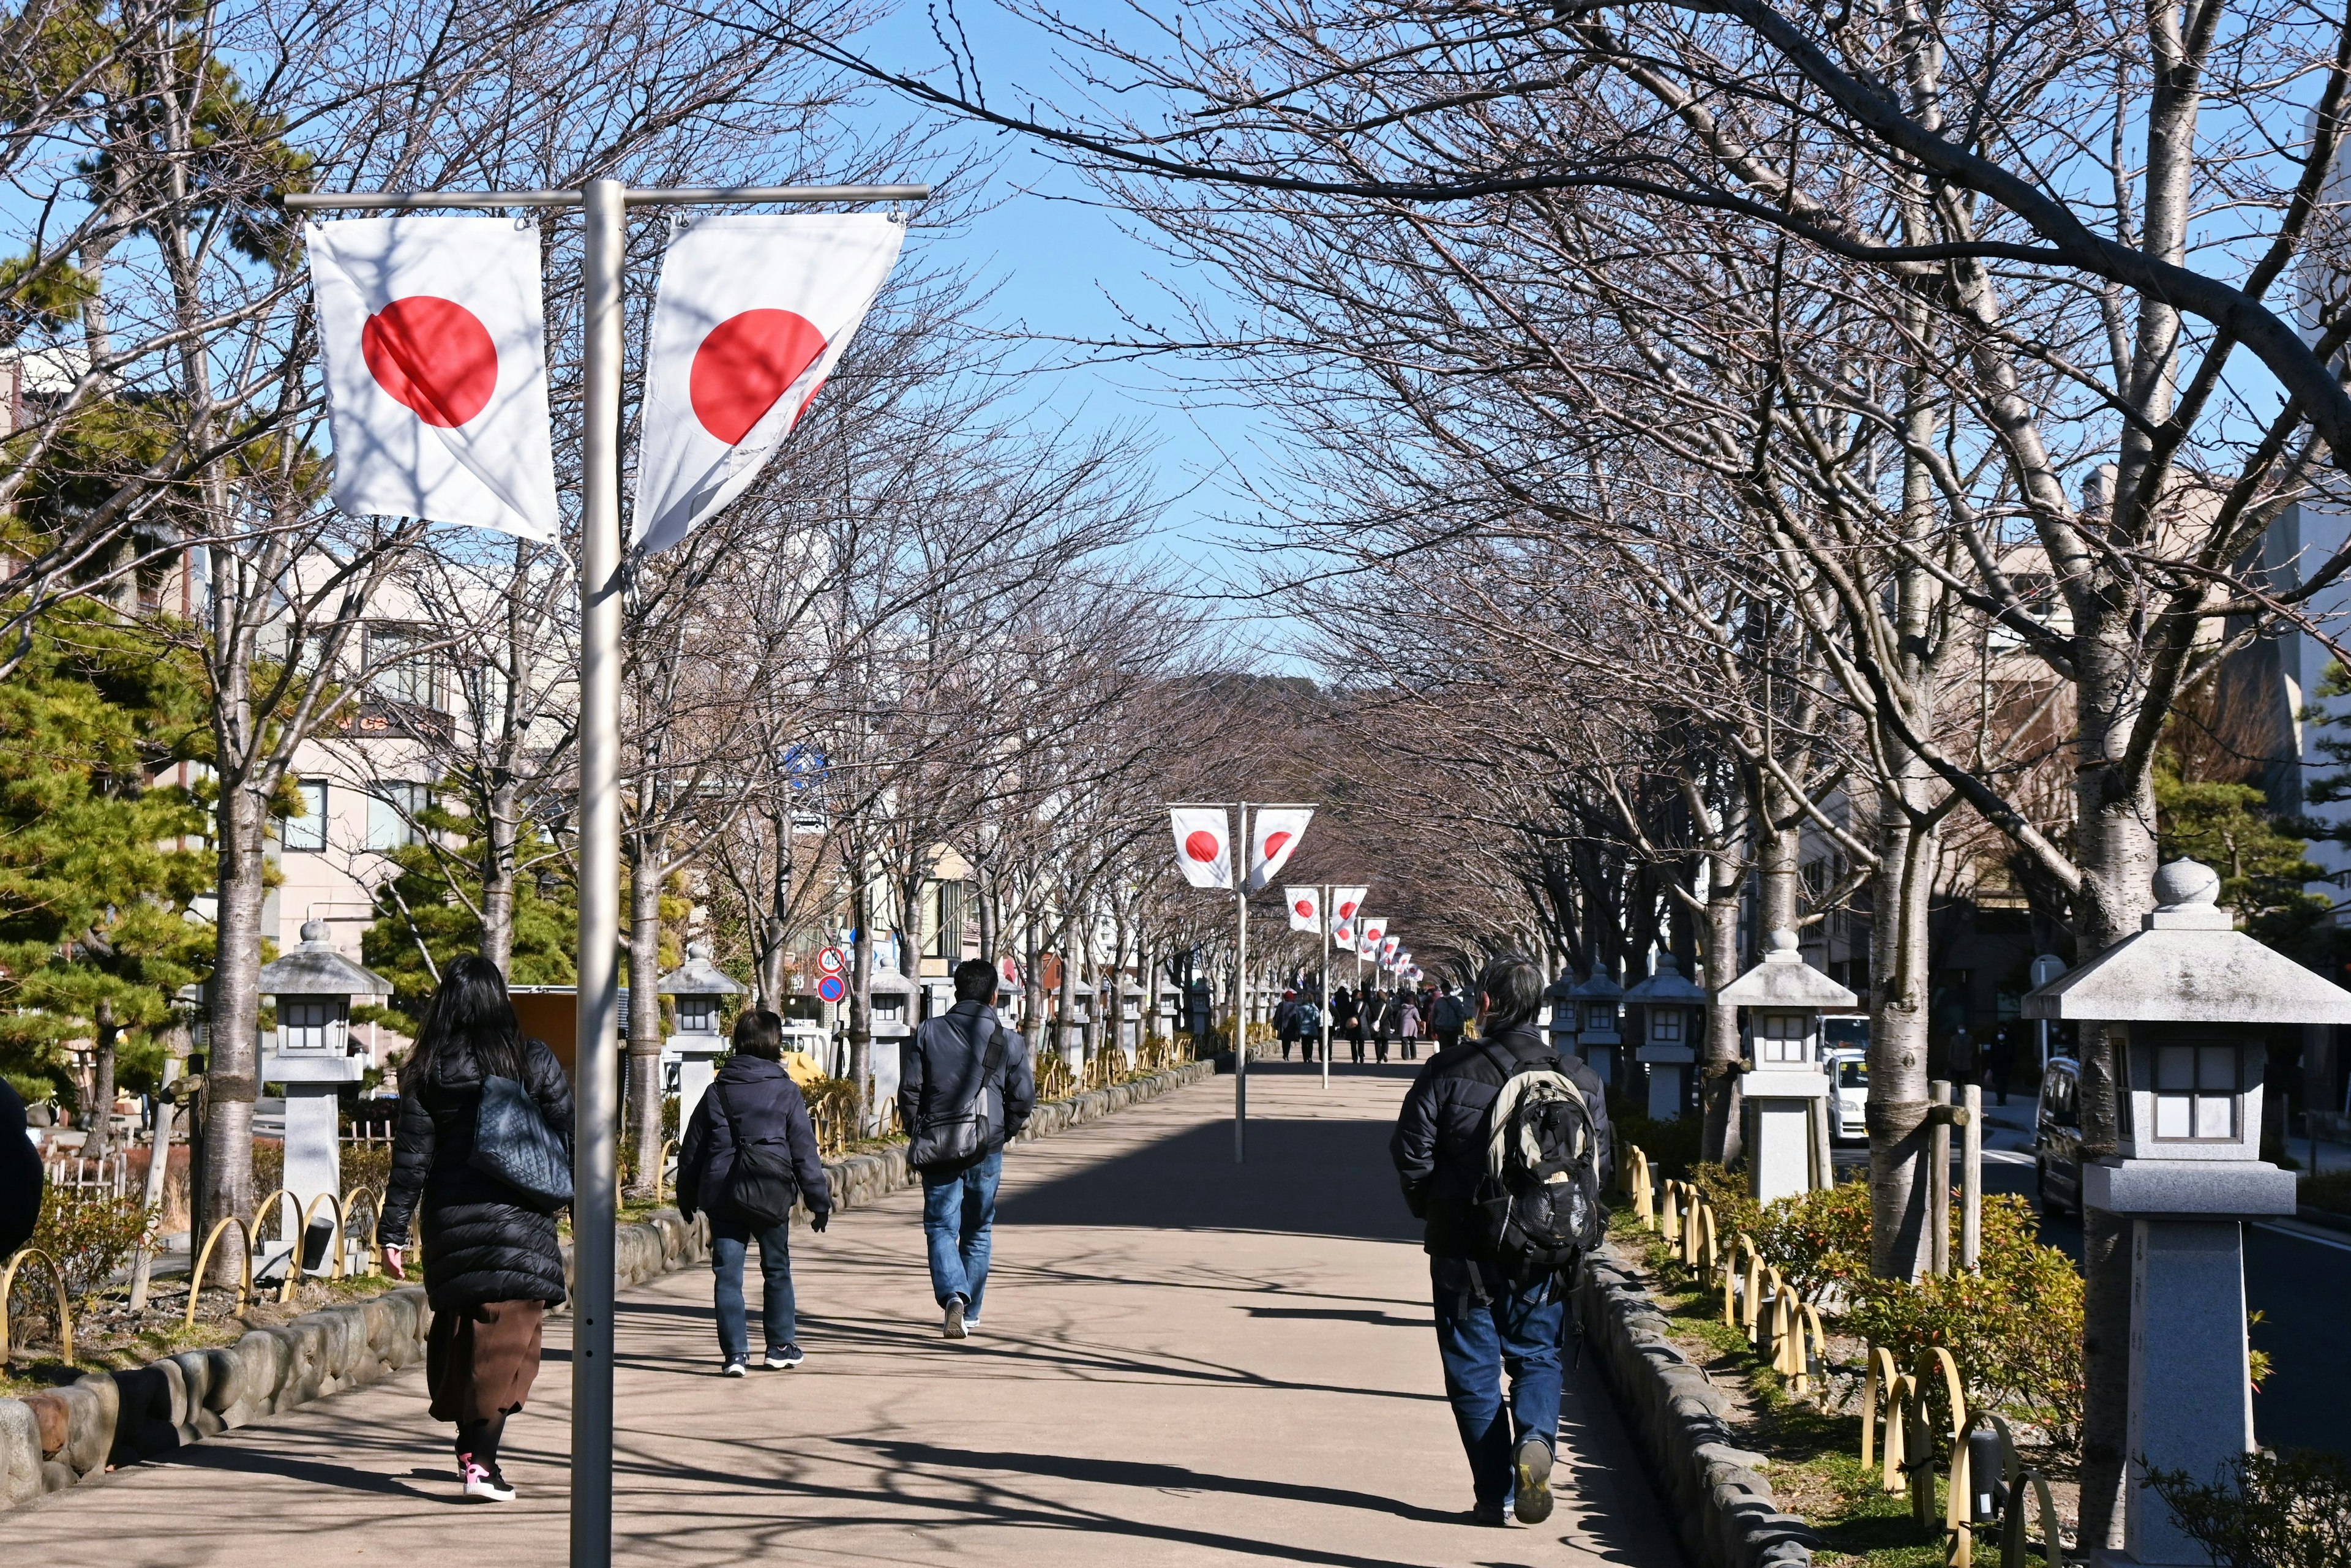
x,y
595,1180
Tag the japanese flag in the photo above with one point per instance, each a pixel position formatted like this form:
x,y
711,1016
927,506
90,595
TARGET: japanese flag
x,y
1375,931
1274,839
1342,935
1347,903
1390,948
1203,848
1305,907
752,315
435,346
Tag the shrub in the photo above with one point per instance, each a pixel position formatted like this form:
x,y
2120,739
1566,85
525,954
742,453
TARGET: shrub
x,y
1672,1146
1819,1240
2269,1511
92,1235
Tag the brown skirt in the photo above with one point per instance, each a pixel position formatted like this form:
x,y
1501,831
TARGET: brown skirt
x,y
479,1362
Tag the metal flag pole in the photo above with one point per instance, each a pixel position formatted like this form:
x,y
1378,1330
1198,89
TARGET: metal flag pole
x,y
596,1073
1240,985
1323,919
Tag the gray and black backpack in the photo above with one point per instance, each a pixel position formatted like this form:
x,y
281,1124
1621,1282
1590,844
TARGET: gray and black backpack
x,y
1536,1204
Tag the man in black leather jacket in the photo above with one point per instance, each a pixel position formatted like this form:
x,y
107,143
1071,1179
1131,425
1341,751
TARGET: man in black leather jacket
x,y
1486,1322
945,1080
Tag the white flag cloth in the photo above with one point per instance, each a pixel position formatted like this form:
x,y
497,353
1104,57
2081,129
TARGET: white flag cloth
x,y
1342,935
1390,948
1203,845
1375,931
1305,907
752,315
1273,839
434,337
1347,903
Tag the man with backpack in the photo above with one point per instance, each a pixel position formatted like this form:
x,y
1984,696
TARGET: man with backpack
x,y
748,1153
965,1090
1449,1018
1504,1149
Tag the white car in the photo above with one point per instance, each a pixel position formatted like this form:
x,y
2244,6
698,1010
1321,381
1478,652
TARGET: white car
x,y
1848,1073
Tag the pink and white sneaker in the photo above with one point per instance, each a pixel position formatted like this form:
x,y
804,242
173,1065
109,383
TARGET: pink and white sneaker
x,y
483,1483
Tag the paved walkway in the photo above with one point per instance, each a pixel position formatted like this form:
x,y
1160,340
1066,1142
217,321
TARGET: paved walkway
x,y
1183,1364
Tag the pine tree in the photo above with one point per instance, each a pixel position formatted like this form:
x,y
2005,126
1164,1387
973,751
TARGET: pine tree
x,y
95,898
432,907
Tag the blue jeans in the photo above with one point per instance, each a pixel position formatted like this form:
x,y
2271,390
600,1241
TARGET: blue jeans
x,y
730,1238
1516,1331
958,1212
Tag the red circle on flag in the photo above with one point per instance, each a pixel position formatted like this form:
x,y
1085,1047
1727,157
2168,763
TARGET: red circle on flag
x,y
1347,910
433,356
1273,842
1306,909
1203,846
745,364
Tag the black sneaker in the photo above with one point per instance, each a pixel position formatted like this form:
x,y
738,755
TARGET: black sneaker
x,y
784,1360
1493,1515
734,1368
1531,1496
482,1483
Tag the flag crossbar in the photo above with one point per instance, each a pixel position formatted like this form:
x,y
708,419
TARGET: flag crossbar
x,y
393,201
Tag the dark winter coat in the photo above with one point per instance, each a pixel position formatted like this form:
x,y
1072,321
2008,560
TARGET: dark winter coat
x,y
21,1177
758,1098
1440,1146
939,1072
481,1243
1450,1016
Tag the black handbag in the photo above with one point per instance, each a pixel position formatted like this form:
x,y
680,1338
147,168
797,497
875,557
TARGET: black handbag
x,y
760,1187
513,1142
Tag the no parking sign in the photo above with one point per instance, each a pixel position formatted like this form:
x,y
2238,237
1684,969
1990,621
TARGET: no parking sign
x,y
831,988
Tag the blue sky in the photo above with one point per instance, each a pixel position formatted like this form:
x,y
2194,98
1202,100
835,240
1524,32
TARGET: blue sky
x,y
1062,268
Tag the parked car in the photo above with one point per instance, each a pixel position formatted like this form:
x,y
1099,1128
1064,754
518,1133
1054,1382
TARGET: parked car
x,y
1848,1071
2057,1137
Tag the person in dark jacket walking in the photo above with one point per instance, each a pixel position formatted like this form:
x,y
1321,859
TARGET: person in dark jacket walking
x,y
1382,1007
965,1090
1486,1322
752,1101
1449,1016
493,1267
22,1180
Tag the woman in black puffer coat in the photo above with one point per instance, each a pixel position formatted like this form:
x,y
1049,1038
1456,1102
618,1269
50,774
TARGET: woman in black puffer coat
x,y
493,1265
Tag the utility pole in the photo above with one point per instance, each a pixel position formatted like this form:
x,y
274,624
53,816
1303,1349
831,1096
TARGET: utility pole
x,y
1240,984
596,1072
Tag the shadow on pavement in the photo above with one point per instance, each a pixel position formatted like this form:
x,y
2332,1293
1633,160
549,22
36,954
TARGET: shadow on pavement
x,y
1306,1177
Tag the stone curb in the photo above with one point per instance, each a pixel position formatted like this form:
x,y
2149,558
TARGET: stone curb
x,y
1726,1513
65,1437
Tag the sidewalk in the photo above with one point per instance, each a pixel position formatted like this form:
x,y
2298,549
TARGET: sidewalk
x,y
1182,1363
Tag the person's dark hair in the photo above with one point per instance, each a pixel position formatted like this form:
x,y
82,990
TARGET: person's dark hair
x,y
975,980
1513,989
760,1033
470,1016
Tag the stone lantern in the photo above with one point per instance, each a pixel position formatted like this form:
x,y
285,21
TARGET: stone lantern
x,y
1672,1010
2188,1004
696,987
1559,995
894,997
1785,997
311,1055
1596,1036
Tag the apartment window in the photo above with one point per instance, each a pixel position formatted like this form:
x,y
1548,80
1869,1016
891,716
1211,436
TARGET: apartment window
x,y
397,672
309,831
393,808
947,921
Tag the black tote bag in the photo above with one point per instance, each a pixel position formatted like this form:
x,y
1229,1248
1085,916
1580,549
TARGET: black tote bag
x,y
513,1142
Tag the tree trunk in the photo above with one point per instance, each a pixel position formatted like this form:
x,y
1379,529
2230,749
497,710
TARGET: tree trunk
x,y
504,828
644,1013
1897,1043
1718,1057
102,1086
860,1005
2115,823
233,1050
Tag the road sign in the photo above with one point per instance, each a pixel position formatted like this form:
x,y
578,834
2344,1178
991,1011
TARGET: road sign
x,y
831,961
831,988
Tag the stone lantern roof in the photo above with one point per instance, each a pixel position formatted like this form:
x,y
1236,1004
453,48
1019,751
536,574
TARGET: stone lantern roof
x,y
1561,989
698,977
2189,964
886,979
1600,987
1784,980
1668,987
316,969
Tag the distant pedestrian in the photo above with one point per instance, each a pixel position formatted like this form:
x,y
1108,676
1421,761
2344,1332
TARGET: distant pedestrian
x,y
1382,1023
1965,1065
1347,1021
495,1266
1309,1028
1408,1023
1499,1305
1450,1016
965,1090
1285,1022
749,1154
2003,1060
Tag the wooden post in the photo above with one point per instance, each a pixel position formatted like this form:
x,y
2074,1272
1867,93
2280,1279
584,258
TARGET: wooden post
x,y
1938,1173
1971,1180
